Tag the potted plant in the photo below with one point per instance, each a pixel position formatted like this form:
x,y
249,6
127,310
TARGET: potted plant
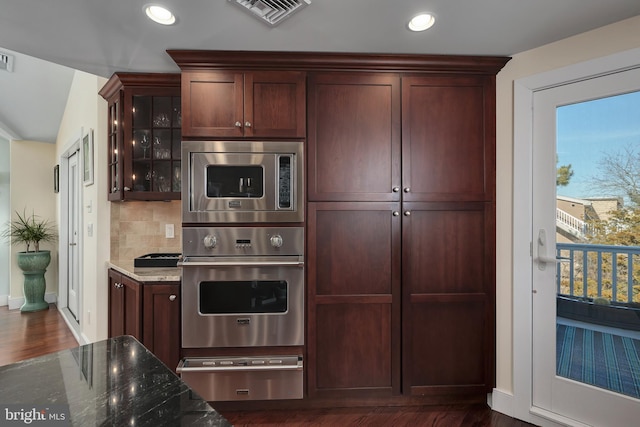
x,y
31,230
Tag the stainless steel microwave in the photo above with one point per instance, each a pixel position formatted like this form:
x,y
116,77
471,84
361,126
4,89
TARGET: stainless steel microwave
x,y
242,181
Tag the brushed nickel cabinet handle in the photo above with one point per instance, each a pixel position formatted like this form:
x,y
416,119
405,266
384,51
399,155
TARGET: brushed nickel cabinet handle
x,y
172,297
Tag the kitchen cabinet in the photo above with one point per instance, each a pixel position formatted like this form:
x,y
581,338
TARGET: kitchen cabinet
x,y
150,311
401,164
400,214
125,306
144,121
161,322
240,104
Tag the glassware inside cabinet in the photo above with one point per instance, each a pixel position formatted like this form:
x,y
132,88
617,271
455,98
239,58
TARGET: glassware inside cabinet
x,y
177,176
162,144
162,111
141,144
161,181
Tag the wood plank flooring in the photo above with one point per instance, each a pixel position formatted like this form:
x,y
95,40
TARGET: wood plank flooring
x,y
27,335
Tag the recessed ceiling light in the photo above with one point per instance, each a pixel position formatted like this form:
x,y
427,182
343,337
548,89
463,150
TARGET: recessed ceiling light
x,y
422,22
159,14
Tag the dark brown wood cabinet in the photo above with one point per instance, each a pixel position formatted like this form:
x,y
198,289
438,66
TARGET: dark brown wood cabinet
x,y
148,311
243,104
161,322
144,120
400,210
125,306
401,234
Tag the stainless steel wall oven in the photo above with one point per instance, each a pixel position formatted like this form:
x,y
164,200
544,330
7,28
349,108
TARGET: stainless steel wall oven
x,y
243,287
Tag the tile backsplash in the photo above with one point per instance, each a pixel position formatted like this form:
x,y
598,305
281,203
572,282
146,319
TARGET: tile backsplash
x,y
138,228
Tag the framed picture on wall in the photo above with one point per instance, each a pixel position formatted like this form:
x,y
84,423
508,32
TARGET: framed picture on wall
x,y
56,178
87,157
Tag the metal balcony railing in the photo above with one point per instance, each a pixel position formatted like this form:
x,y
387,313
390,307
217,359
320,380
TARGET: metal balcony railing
x,y
599,271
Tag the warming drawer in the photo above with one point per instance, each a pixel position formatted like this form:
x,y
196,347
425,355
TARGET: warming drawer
x,y
244,378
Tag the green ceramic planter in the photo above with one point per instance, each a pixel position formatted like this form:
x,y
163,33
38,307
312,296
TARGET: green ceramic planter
x,y
33,266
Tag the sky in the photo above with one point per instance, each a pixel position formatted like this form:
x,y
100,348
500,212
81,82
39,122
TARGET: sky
x,y
588,130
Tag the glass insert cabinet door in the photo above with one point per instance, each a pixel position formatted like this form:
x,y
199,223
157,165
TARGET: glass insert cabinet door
x,y
155,144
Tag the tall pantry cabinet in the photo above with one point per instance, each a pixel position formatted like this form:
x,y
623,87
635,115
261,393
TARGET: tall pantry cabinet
x,y
401,231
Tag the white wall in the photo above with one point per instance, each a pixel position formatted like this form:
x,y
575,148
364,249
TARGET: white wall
x,y
618,37
5,215
31,188
86,109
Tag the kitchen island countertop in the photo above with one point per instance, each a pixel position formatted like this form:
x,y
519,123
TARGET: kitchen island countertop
x,y
111,382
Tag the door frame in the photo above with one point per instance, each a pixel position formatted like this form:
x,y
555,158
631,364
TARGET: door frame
x,y
63,241
524,90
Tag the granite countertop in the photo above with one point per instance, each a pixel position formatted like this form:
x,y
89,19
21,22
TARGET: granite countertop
x,y
111,382
146,274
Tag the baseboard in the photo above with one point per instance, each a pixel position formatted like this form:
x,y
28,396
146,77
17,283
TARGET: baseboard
x,y
15,303
502,402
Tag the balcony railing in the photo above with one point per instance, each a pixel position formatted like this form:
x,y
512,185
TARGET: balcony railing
x,y
599,272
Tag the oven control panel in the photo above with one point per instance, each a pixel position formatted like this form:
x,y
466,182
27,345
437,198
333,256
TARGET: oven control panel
x,y
238,241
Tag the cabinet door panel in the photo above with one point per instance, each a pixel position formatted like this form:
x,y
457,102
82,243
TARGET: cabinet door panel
x,y
275,104
132,307
116,305
447,138
354,348
212,103
446,350
354,137
445,248
354,299
162,322
353,248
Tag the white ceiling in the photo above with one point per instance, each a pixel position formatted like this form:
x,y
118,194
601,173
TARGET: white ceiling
x,y
105,36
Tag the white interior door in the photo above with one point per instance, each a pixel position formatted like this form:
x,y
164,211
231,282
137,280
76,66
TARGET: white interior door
x,y
576,402
73,227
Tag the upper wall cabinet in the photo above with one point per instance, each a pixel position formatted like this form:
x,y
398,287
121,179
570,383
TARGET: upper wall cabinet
x,y
243,104
143,136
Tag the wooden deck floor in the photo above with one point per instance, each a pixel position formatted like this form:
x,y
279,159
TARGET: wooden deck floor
x,y
28,335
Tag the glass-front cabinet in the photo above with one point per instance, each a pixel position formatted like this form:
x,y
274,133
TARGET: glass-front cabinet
x,y
144,136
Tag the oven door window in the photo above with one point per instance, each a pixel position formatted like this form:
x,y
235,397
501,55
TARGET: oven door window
x,y
242,297
235,181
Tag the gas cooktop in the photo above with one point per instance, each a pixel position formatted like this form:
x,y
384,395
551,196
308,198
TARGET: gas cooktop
x,y
157,260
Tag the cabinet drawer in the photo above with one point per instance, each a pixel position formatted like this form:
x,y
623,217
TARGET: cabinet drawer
x,y
228,378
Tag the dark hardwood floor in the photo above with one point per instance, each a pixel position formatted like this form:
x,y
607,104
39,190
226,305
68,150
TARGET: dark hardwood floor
x,y
27,335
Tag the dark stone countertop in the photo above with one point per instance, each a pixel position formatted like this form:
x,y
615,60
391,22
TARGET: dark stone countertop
x,y
114,382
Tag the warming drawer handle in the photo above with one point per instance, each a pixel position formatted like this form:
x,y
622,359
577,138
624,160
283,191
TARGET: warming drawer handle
x,y
241,264
182,368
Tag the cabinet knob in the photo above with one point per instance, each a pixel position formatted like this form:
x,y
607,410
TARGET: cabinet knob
x,y
172,297
396,189
238,124
407,189
127,189
247,124
117,285
396,213
407,213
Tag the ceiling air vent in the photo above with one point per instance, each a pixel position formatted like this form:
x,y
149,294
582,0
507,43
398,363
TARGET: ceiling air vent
x,y
6,62
272,11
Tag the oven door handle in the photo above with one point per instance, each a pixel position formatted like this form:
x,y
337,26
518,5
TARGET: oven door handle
x,y
239,263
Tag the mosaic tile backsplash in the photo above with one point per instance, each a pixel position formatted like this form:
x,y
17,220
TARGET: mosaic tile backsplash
x,y
138,228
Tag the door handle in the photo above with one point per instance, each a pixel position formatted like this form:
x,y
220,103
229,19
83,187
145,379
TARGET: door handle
x,y
72,244
543,258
